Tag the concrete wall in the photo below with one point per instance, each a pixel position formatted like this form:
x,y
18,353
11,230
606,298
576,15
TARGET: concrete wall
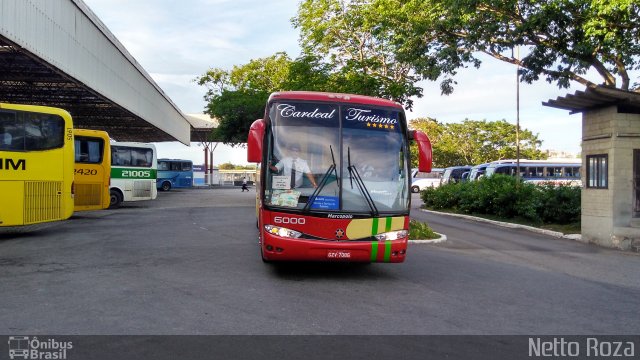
x,y
607,214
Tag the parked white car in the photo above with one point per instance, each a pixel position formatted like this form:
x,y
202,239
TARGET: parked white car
x,y
421,180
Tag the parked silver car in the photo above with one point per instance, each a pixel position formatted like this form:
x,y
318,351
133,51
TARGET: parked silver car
x,y
422,180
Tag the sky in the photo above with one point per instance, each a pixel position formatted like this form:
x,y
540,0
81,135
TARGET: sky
x,y
177,41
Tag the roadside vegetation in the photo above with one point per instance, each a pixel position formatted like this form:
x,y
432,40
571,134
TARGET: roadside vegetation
x,y
505,198
386,48
421,231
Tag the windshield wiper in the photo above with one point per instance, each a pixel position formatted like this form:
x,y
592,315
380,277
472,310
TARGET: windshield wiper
x,y
323,182
363,189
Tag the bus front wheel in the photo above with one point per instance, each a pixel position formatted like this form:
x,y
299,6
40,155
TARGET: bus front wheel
x,y
264,259
166,186
116,199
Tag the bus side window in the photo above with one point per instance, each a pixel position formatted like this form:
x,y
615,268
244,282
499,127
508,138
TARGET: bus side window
x,y
523,171
95,151
549,172
572,172
531,172
121,157
537,171
6,141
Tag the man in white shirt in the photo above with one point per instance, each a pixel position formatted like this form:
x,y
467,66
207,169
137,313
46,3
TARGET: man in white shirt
x,y
294,167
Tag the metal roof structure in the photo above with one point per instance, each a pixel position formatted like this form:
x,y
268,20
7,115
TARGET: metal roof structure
x,y
201,126
598,97
58,53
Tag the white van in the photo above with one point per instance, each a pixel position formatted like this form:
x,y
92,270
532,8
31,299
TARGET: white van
x,y
422,180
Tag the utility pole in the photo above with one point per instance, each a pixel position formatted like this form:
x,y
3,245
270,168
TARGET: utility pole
x,y
518,113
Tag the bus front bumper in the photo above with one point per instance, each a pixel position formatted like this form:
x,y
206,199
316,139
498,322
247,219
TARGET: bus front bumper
x,y
276,248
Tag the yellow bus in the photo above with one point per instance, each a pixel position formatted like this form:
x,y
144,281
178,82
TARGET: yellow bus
x,y
36,164
92,169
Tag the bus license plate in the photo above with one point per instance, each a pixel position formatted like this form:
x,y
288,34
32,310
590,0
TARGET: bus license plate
x,y
338,254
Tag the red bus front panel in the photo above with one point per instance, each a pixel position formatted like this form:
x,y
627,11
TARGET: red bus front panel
x,y
332,239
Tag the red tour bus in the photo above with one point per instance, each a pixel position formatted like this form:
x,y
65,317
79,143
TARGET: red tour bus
x,y
334,177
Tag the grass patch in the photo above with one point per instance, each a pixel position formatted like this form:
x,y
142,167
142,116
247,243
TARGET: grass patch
x,y
573,228
421,231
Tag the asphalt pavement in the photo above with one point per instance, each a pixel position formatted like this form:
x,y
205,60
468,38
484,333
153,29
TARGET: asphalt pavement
x,y
188,263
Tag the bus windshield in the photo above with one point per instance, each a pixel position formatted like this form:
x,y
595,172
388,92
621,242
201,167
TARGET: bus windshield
x,y
337,157
25,131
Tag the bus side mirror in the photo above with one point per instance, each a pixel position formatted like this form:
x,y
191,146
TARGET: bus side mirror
x,y
424,150
254,141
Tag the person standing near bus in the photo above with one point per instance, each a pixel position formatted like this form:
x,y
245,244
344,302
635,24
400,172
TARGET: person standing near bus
x,y
244,184
294,166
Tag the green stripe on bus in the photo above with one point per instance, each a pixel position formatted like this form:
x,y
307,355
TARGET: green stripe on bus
x,y
140,173
387,244
387,251
374,251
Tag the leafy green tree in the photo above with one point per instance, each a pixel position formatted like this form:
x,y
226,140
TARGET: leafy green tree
x,y
265,74
474,142
309,72
561,39
226,166
347,35
237,97
235,111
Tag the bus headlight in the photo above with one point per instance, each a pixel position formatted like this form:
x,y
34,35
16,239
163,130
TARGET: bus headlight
x,y
280,231
392,235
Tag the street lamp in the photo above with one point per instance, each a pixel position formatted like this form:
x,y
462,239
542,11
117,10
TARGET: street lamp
x,y
517,111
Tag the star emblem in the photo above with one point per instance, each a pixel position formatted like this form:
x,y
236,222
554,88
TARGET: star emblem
x,y
339,233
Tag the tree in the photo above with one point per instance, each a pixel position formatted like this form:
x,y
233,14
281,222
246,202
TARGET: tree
x,y
474,142
231,166
399,42
235,111
562,39
226,166
347,35
237,97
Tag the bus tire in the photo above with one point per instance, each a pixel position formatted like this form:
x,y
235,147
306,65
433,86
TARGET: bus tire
x,y
264,260
116,199
166,186
415,189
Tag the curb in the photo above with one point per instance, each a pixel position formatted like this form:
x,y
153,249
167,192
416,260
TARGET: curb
x,y
556,234
442,238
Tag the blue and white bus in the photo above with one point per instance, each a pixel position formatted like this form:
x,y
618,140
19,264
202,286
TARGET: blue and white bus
x,y
540,172
174,174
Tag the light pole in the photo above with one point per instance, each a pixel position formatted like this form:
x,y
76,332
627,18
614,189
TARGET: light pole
x,y
517,112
